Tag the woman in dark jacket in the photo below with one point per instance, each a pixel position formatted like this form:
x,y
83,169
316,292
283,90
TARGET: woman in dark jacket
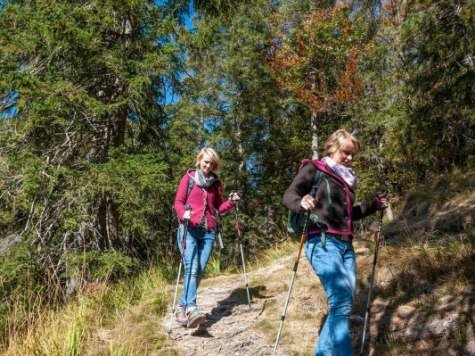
x,y
329,246
197,206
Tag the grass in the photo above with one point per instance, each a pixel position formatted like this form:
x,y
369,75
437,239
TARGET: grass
x,y
72,328
124,319
273,254
55,333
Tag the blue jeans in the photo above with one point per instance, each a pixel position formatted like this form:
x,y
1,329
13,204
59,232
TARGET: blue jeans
x,y
199,244
334,263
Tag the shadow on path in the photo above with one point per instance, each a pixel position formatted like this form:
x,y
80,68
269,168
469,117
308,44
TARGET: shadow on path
x,y
225,308
418,280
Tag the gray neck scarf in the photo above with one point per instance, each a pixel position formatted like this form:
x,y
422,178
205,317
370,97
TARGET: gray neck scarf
x,y
204,181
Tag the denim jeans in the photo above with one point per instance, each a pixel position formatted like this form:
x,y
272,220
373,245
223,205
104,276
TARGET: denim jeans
x,y
199,244
334,263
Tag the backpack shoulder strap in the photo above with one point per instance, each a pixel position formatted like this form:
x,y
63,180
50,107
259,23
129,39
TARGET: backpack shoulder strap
x,y
216,186
316,182
191,183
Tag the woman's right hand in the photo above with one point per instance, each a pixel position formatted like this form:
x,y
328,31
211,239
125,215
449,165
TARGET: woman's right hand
x,y
187,215
234,197
308,202
383,199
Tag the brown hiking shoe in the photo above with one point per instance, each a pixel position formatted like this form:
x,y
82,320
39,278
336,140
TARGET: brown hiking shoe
x,y
195,318
180,316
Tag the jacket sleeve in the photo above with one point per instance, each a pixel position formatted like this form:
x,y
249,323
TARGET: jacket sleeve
x,y
222,205
180,196
366,208
300,186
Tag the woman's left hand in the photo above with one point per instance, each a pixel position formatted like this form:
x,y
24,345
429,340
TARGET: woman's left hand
x,y
234,197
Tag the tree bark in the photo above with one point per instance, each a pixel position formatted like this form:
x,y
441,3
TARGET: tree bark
x,y
270,222
314,120
313,127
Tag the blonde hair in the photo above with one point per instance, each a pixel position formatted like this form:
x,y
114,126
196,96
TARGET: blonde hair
x,y
211,154
337,139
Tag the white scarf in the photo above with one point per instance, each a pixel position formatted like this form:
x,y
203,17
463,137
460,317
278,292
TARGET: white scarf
x,y
345,173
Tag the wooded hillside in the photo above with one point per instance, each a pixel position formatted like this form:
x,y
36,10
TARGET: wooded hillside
x,y
104,105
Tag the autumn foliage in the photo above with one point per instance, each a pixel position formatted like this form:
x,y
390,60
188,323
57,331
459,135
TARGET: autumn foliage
x,y
317,59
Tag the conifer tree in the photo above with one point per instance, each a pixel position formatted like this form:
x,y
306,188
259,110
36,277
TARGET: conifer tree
x,y
83,168
438,43
240,108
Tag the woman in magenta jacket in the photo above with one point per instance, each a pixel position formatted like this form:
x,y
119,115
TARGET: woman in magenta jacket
x,y
198,195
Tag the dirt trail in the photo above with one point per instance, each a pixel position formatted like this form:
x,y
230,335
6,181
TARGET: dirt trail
x,y
232,328
230,325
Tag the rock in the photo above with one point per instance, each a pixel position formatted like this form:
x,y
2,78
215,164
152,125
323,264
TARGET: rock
x,y
7,242
469,349
362,251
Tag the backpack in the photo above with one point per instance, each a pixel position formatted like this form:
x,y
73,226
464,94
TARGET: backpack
x,y
296,220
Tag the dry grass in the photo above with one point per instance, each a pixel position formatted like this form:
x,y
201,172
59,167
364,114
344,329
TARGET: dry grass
x,y
431,279
126,320
84,326
305,310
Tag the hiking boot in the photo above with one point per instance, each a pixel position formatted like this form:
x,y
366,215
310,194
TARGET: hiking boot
x,y
180,316
357,319
195,318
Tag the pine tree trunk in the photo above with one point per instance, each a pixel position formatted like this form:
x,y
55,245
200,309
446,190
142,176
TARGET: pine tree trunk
x,y
313,125
107,222
105,206
313,121
270,222
240,149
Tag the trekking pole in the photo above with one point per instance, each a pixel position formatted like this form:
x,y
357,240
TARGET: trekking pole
x,y
238,230
182,253
291,283
220,239
371,281
218,230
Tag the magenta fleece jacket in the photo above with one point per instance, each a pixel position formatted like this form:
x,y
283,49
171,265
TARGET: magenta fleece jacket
x,y
202,201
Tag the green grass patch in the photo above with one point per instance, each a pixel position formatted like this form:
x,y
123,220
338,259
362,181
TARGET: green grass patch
x,y
67,330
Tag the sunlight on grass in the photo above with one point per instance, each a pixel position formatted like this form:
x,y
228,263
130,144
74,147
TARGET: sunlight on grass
x,y
273,254
120,351
68,330
57,333
213,268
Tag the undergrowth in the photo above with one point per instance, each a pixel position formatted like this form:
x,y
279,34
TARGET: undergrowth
x,y
65,330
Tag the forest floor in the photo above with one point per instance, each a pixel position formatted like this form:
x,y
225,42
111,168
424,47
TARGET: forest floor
x,y
431,322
